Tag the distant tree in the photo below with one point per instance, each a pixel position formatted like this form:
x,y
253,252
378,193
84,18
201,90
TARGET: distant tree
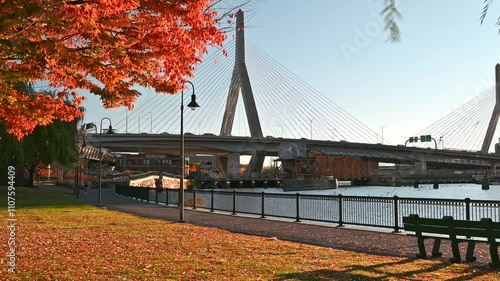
x,y
47,144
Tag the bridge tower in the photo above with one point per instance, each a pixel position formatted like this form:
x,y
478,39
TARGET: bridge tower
x,y
241,81
495,115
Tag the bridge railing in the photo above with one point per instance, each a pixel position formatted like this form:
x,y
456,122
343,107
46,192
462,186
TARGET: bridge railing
x,y
383,212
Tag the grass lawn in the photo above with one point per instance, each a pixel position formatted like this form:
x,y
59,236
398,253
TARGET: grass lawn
x,y
58,239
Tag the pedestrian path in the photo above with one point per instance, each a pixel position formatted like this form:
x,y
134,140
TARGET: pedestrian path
x,y
345,238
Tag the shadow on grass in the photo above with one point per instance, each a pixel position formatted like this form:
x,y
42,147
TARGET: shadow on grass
x,y
33,197
383,271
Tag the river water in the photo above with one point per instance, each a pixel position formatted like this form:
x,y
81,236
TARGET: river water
x,y
372,211
445,191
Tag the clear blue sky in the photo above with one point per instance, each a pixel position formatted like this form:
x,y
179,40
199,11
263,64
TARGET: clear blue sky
x,y
445,58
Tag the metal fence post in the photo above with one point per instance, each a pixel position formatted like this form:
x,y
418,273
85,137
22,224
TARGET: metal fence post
x,y
146,193
166,196
297,200
396,214
234,202
194,198
467,208
341,215
262,213
211,200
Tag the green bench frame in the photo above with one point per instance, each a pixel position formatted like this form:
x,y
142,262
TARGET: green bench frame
x,y
457,231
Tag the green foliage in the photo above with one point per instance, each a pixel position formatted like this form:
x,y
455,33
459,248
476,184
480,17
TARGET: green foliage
x,y
391,16
487,4
46,145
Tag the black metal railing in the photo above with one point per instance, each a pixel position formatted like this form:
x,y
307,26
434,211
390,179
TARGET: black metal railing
x,y
385,212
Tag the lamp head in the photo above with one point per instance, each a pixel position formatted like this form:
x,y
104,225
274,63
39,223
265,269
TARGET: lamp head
x,y
89,126
193,105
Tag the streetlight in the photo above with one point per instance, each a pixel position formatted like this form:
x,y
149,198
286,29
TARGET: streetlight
x,y
151,122
382,128
79,148
126,121
110,131
193,105
87,127
311,127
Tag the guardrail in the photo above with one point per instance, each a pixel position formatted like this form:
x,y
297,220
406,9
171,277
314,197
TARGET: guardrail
x,y
384,212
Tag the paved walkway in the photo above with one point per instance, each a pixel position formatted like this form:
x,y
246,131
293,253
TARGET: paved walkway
x,y
345,238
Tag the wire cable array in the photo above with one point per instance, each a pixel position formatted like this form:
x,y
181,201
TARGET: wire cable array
x,y
287,106
465,127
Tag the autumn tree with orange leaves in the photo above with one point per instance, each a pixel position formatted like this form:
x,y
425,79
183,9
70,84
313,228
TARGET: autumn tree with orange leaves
x,y
104,46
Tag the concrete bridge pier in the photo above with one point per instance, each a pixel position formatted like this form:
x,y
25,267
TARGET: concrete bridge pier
x,y
255,164
420,167
231,165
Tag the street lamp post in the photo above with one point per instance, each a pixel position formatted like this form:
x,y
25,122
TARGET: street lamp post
x,y
311,127
193,105
77,167
110,131
382,128
151,122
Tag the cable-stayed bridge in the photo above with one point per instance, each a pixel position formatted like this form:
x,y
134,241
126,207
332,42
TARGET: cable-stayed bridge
x,y
466,128
254,104
287,106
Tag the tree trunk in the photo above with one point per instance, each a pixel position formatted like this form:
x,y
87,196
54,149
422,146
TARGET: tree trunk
x,y
31,172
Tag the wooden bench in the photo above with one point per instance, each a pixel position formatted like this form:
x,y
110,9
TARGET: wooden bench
x,y
456,231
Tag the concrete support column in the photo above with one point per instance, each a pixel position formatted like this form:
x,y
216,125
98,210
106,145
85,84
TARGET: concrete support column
x,y
420,167
223,163
494,116
233,166
255,165
241,80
